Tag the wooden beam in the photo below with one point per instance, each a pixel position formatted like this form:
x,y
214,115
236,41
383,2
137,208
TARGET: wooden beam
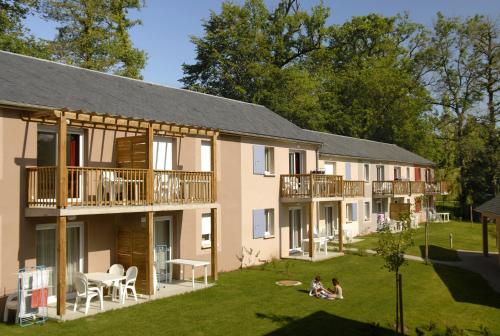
x,y
312,209
62,172
61,265
149,155
485,236
213,243
341,227
150,256
214,167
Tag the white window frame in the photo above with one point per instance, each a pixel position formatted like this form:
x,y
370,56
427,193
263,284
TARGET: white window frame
x,y
204,144
408,173
380,205
334,167
269,161
366,168
382,169
302,156
348,212
367,211
269,231
397,172
206,243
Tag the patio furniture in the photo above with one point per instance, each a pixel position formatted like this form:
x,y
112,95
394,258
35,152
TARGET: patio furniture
x,y
193,264
130,278
11,304
443,217
83,291
116,269
100,279
318,243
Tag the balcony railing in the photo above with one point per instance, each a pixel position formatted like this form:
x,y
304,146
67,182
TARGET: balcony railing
x,y
392,188
354,188
310,185
118,187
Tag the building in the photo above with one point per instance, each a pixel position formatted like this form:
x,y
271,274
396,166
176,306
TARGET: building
x,y
98,169
490,210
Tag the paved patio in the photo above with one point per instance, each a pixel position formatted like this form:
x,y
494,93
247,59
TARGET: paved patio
x,y
166,290
318,256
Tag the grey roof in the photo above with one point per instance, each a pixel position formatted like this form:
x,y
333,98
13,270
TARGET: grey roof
x,y
33,81
491,206
334,144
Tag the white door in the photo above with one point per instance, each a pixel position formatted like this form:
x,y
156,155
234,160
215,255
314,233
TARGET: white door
x,y
295,218
206,156
163,248
162,153
329,168
46,254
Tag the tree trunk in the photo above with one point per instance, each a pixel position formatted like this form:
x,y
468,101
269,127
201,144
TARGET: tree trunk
x,y
397,303
401,324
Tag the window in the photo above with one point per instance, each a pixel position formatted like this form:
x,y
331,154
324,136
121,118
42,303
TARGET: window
x,y
367,211
296,162
397,173
418,205
206,230
269,222
206,156
367,172
351,212
347,170
330,229
162,153
330,168
380,207
269,160
408,173
380,173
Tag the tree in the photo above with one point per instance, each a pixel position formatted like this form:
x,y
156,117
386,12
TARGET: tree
x,y
455,83
94,34
14,37
392,247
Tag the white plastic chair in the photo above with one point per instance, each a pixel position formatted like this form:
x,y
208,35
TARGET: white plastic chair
x,y
83,291
11,304
116,269
131,277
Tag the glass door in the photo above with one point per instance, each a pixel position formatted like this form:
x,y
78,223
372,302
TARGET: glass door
x,y
46,254
295,219
295,162
163,248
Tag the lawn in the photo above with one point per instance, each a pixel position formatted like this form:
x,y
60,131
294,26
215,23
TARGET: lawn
x,y
247,302
466,236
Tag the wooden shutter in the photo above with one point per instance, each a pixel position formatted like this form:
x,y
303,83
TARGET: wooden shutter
x,y
259,223
347,170
259,157
417,174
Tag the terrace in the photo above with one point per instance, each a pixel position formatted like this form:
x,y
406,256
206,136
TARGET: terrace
x,y
402,188
306,187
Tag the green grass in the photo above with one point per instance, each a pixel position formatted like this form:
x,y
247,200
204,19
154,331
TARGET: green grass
x,y
247,302
466,236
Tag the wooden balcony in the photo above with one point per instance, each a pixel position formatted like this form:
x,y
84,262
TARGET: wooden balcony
x,y
401,188
310,186
113,187
354,188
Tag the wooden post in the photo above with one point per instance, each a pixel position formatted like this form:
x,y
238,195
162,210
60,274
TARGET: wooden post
x,y
214,166
341,230
213,245
312,209
61,265
401,323
485,236
62,171
150,253
150,175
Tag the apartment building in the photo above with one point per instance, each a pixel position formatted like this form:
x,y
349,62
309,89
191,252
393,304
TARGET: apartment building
x,y
97,169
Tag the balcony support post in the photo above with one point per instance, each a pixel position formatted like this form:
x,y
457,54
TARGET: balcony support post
x,y
61,265
62,169
341,227
150,254
149,166
213,245
485,236
213,154
312,221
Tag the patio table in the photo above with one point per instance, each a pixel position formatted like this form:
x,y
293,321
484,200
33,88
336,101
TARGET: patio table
x,y
443,216
193,264
318,241
102,279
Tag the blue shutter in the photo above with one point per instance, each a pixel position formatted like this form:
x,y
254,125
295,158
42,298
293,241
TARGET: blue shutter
x,y
259,157
354,212
259,223
347,170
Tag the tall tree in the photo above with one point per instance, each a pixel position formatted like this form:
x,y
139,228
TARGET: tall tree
x,y
94,34
14,36
455,83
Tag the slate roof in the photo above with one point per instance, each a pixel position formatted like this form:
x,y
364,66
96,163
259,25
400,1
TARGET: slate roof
x,y
34,81
334,144
491,206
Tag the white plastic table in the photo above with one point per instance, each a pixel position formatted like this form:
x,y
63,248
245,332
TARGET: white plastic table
x,y
193,264
102,279
318,241
443,216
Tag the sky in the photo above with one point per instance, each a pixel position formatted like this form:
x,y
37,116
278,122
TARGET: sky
x,y
168,25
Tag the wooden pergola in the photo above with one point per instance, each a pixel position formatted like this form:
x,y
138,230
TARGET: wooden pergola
x,y
64,118
489,210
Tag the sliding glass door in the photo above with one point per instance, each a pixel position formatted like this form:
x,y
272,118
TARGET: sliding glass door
x,y
46,253
295,218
